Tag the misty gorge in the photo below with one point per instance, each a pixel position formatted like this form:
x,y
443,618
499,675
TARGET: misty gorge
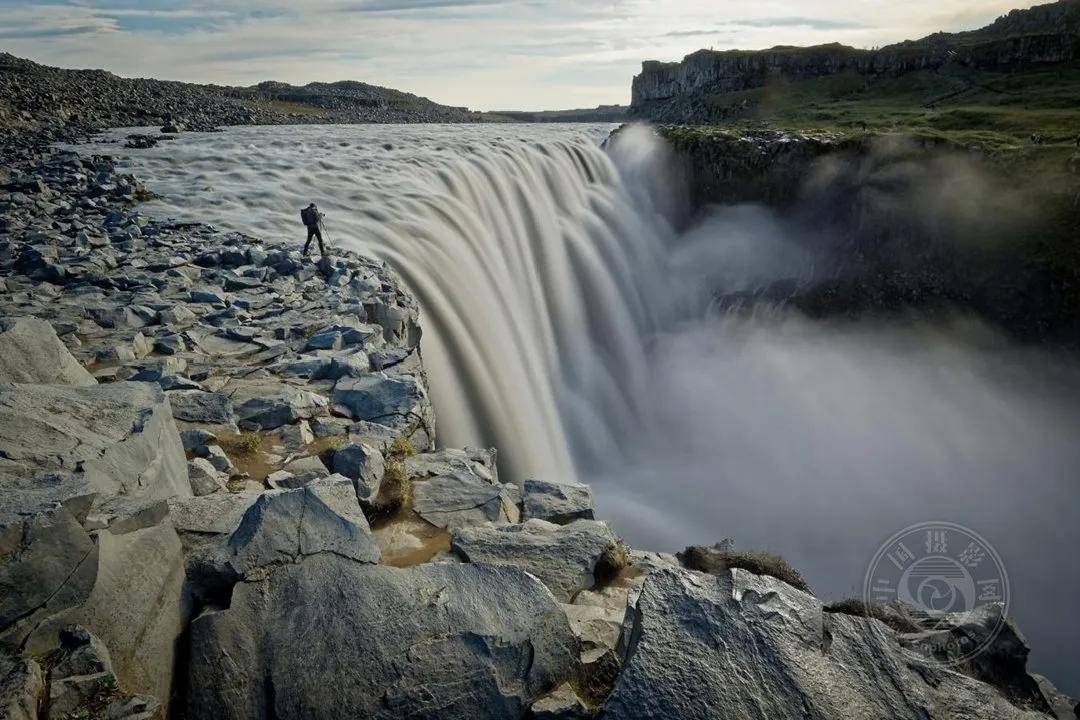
x,y
793,363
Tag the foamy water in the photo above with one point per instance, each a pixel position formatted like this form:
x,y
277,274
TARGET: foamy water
x,y
567,324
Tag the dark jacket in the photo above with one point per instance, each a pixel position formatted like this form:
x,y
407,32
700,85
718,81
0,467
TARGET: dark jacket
x,y
311,217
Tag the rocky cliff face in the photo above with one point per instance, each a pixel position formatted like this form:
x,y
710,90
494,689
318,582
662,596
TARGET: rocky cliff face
x,y
902,222
1046,34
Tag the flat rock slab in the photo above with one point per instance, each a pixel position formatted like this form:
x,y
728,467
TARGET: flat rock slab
x,y
455,501
378,398
456,642
745,646
448,461
217,514
197,406
30,352
565,557
559,503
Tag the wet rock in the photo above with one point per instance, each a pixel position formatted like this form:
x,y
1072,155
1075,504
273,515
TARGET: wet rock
x,y
567,558
557,502
30,352
440,640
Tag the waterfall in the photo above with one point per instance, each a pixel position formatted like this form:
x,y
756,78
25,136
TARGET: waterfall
x,y
532,266
565,323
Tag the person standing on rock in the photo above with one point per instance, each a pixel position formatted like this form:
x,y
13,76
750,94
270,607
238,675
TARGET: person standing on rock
x,y
313,220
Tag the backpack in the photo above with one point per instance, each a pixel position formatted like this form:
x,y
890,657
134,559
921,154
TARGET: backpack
x,y
309,216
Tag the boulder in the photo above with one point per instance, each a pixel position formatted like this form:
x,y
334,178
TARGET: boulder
x,y
567,558
81,445
284,526
1002,660
22,685
561,704
204,477
136,603
82,683
457,642
559,503
306,469
217,514
397,402
282,405
30,352
450,461
197,406
365,465
749,646
456,501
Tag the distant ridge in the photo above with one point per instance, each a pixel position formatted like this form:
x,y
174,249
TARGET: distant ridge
x,y
37,98
1040,35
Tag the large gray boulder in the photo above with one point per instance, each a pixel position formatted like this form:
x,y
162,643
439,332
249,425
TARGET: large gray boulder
x,y
80,445
559,503
22,685
331,638
284,526
567,558
129,591
84,530
453,461
399,402
30,352
748,646
460,500
216,514
365,465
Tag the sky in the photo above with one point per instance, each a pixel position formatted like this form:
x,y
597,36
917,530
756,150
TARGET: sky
x,y
484,54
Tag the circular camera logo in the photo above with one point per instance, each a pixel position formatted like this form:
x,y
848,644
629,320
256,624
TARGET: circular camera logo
x,y
938,568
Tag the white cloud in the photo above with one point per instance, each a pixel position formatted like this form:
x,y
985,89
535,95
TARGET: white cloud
x,y
487,54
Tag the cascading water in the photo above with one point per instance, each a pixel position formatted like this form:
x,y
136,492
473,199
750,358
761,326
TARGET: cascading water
x,y
567,324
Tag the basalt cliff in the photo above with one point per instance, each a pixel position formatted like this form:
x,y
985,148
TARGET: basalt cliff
x,y
671,92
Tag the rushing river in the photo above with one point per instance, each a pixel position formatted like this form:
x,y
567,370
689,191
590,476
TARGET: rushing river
x,y
568,324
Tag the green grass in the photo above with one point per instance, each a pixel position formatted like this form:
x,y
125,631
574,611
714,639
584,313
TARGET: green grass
x,y
1008,106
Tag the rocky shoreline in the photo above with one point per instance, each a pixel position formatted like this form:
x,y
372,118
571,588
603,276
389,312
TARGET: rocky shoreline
x,y
225,498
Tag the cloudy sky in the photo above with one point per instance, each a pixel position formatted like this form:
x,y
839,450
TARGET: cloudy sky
x,y
487,54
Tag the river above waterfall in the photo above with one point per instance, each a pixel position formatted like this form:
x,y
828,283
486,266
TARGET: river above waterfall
x,y
567,323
